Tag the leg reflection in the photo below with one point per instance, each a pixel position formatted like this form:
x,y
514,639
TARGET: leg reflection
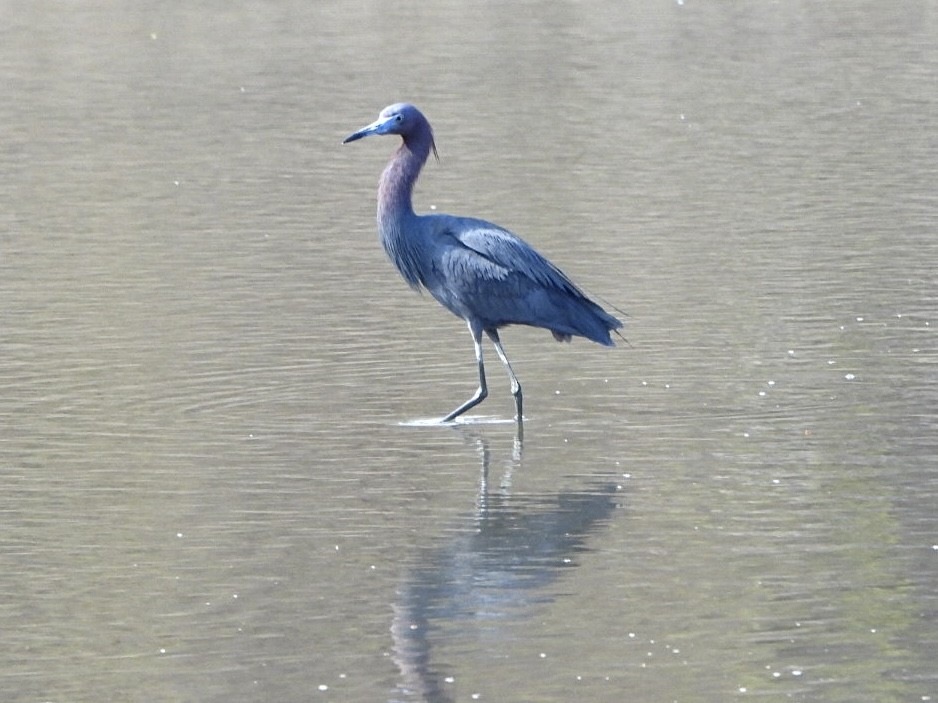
x,y
480,579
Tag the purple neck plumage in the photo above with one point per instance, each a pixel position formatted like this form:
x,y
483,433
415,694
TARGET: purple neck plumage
x,y
397,182
398,230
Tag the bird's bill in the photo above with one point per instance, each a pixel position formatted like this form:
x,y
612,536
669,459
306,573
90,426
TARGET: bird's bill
x,y
379,126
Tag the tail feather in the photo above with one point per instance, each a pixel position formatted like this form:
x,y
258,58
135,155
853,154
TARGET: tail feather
x,y
583,318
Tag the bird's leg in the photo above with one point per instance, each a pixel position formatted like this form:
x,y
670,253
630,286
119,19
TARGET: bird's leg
x,y
483,390
515,386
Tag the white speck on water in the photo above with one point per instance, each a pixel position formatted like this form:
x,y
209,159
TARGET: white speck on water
x,y
776,674
742,689
873,630
849,376
323,687
449,679
476,696
162,650
762,394
543,655
791,352
644,383
631,635
179,534
770,383
746,435
831,362
776,481
859,319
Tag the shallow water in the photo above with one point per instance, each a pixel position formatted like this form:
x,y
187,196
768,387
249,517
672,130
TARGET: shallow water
x,y
222,478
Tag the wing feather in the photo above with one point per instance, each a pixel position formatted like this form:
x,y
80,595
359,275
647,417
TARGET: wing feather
x,y
511,253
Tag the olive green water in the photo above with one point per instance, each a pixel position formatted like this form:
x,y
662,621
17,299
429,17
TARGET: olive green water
x,y
216,483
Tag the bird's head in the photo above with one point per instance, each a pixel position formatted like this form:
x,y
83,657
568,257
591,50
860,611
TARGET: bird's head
x,y
400,118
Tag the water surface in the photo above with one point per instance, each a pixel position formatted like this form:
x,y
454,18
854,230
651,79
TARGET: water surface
x,y
212,385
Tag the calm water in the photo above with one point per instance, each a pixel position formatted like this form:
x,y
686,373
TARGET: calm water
x,y
213,488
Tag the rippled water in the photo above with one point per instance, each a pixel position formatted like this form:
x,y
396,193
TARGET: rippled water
x,y
219,482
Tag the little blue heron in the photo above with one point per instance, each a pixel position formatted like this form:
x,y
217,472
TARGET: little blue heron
x,y
478,271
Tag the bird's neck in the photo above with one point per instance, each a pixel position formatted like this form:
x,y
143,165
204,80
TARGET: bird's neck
x,y
398,228
396,187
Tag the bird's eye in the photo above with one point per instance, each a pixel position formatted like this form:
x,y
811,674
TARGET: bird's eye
x,y
399,118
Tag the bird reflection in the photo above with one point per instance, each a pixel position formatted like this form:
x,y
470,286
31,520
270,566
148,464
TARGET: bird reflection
x,y
491,575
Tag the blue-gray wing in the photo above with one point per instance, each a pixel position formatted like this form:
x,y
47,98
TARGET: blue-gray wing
x,y
513,254
490,275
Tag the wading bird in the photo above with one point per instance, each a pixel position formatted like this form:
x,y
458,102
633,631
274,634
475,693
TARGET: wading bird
x,y
478,271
